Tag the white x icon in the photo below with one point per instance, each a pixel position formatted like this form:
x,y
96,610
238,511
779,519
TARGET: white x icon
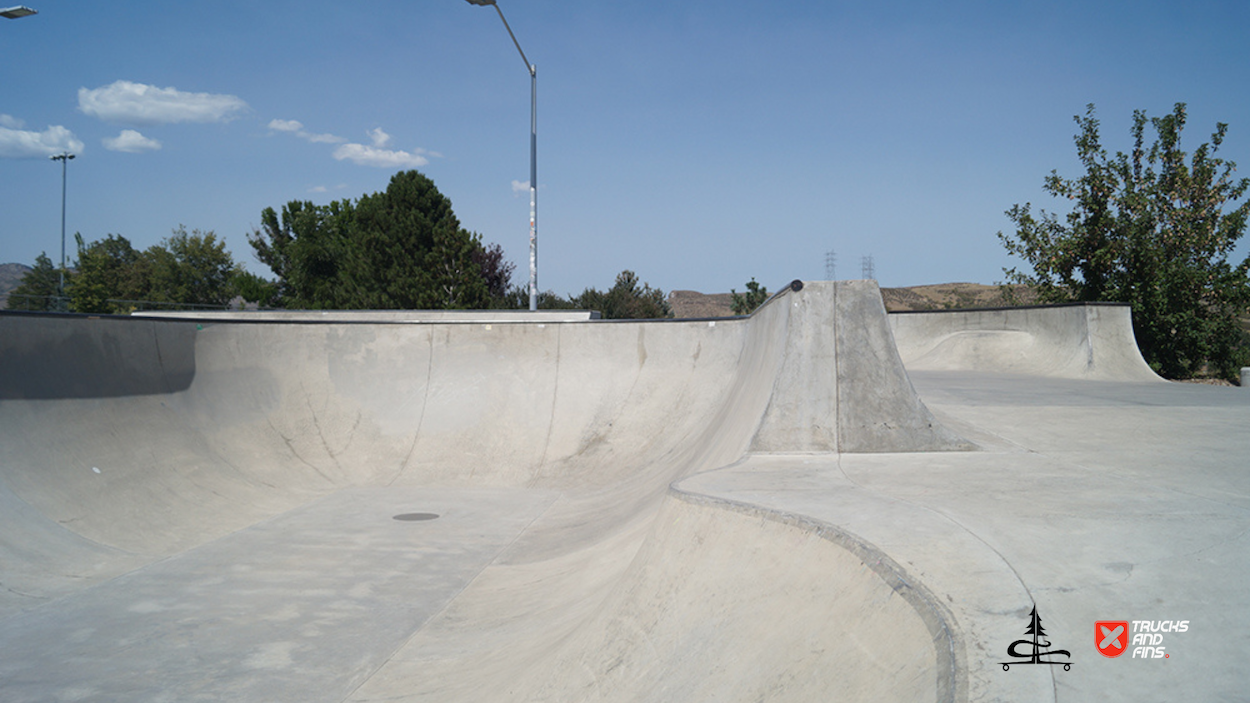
x,y
1111,637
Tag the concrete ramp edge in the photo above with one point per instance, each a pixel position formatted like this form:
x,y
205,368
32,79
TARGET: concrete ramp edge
x,y
948,646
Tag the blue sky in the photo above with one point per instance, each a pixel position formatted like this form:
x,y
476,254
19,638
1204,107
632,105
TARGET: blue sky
x,y
698,143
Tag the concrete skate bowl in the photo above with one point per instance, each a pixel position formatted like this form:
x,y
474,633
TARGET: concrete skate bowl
x,y
329,510
1091,341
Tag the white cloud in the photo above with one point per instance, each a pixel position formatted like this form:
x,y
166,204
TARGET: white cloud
x,y
24,144
286,125
297,128
323,138
375,154
380,139
383,158
139,104
520,186
131,142
10,121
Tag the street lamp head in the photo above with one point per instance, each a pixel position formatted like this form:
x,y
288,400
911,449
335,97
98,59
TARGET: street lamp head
x,y
481,3
16,12
63,157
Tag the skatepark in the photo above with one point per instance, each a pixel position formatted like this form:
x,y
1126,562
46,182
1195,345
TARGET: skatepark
x,y
816,502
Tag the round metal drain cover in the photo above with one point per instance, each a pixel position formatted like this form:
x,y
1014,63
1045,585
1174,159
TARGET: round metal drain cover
x,y
416,517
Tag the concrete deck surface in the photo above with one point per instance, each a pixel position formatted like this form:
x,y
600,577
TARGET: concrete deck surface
x,y
1093,500
750,509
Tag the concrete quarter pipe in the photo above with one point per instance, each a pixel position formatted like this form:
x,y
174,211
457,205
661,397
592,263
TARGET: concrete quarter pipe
x,y
540,509
1079,340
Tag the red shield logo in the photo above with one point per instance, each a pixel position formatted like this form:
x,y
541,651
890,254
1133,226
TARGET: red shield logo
x,y
1111,637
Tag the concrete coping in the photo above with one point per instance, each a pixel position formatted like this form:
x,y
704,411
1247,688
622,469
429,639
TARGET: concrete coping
x,y
246,319
374,316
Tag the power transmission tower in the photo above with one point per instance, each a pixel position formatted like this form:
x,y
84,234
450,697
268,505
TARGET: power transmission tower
x,y
831,264
867,269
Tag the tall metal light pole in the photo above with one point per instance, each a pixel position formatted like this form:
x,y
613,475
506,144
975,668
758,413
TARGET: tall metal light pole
x,y
533,154
63,157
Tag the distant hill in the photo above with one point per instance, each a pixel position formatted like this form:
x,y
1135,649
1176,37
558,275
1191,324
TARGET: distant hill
x,y
942,296
688,303
10,278
950,296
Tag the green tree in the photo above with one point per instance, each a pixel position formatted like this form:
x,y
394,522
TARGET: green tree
x,y
409,251
626,300
305,249
254,289
399,249
1151,229
518,298
107,269
183,269
190,269
745,304
496,272
38,288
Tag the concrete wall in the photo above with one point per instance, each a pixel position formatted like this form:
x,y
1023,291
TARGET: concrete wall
x,y
1088,341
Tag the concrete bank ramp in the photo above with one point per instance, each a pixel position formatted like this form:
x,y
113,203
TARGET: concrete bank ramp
x,y
313,509
1090,341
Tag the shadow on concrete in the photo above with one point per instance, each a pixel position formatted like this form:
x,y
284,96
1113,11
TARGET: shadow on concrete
x,y
56,356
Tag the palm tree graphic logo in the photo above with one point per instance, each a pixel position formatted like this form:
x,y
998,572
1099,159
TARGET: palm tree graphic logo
x,y
1038,645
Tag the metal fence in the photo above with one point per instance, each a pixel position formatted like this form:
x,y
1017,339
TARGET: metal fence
x,y
60,303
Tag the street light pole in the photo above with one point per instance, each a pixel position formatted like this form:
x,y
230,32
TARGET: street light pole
x,y
63,157
17,12
533,71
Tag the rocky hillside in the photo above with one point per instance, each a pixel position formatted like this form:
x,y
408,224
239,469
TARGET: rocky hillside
x,y
688,303
949,296
10,278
